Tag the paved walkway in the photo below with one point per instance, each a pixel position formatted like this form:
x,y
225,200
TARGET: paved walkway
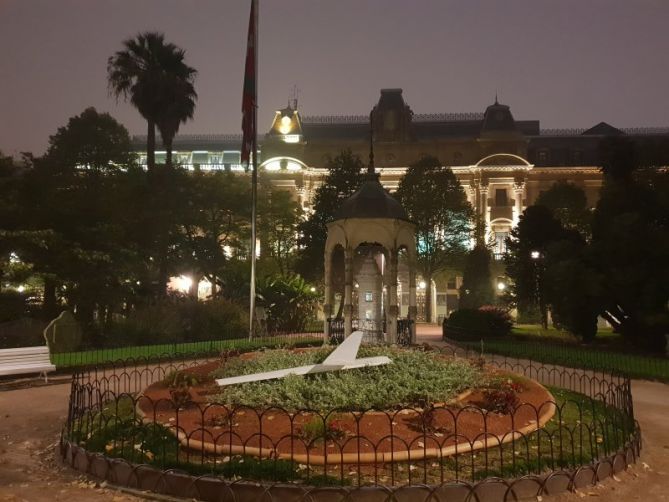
x,y
31,416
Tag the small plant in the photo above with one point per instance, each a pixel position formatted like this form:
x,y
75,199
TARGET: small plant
x,y
180,384
319,429
502,397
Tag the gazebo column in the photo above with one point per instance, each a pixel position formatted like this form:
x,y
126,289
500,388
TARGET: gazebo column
x,y
348,291
393,309
413,310
328,306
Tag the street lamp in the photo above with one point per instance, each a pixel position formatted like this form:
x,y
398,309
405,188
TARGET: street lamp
x,y
536,256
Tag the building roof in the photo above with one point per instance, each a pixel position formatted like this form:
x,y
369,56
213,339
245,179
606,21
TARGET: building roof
x,y
371,201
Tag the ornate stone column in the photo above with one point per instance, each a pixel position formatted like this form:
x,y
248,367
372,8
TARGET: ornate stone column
x,y
519,194
348,291
483,194
413,310
393,309
329,293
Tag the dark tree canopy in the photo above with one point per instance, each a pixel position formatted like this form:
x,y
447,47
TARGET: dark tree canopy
x,y
477,289
630,245
345,175
568,204
434,200
525,259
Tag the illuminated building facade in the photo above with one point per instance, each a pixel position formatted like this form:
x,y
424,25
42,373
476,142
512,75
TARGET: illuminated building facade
x,y
502,163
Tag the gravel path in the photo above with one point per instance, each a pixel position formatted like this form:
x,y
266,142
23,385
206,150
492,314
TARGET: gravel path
x,y
32,413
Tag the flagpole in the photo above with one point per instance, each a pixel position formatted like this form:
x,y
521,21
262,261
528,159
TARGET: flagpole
x,y
254,180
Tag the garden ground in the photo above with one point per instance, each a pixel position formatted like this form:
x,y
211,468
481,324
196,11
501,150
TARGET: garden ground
x,y
31,415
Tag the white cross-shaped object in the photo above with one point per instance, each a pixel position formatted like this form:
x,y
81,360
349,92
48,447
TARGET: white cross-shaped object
x,y
343,357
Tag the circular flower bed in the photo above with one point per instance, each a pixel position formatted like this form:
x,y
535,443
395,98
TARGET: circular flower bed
x,y
414,408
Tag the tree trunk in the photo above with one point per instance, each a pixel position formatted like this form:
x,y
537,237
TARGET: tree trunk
x,y
428,298
49,306
168,147
151,146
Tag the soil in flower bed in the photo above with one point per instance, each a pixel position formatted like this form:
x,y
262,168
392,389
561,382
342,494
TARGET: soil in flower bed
x,y
312,436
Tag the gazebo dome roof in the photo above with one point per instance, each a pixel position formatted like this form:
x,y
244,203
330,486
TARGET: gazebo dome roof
x,y
371,201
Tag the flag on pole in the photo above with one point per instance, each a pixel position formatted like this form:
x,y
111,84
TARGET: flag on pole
x,y
249,99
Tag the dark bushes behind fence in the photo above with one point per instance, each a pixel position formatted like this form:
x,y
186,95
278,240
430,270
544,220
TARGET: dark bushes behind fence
x,y
484,322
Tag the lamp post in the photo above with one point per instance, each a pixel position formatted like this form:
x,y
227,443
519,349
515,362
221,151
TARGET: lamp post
x,y
536,258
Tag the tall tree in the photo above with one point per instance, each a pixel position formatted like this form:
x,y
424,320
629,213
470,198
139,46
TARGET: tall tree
x,y
278,218
345,175
179,95
434,200
630,240
153,75
215,223
74,198
476,289
573,285
526,258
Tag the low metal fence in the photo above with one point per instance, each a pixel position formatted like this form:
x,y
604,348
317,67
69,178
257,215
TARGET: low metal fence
x,y
311,335
581,430
573,355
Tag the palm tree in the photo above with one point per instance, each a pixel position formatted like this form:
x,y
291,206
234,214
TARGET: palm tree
x,y
152,73
179,96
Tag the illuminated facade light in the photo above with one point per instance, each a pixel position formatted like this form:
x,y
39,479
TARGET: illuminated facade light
x,y
535,255
421,285
291,138
21,289
501,286
183,283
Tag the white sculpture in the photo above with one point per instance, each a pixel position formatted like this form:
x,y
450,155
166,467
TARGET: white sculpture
x,y
343,357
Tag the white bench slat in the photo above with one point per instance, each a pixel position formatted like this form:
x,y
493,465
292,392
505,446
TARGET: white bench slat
x,y
25,360
40,349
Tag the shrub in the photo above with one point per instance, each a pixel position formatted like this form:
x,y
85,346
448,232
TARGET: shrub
x,y
320,429
12,305
289,302
502,397
176,320
485,321
415,376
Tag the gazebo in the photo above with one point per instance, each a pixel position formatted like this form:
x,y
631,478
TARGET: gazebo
x,y
371,228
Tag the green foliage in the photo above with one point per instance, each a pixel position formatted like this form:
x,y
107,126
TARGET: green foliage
x,y
536,229
568,204
91,140
179,320
215,218
413,376
345,175
574,287
278,218
290,304
320,429
484,322
434,199
578,356
118,432
630,243
476,289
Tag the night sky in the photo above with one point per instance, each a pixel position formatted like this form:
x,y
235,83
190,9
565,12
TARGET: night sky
x,y
568,63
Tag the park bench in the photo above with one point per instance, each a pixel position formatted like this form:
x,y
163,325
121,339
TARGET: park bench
x,y
26,360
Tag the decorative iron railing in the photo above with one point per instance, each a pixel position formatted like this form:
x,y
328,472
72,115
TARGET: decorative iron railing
x,y
119,428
